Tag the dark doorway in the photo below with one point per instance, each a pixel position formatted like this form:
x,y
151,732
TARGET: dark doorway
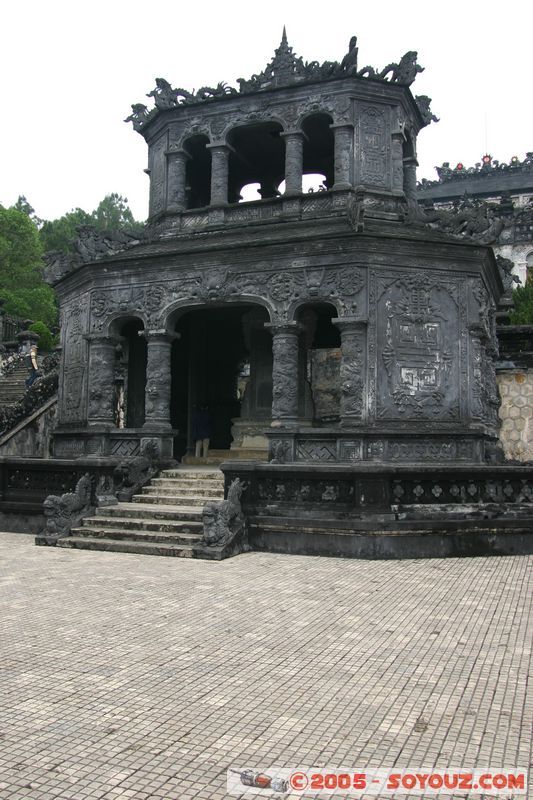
x,y
210,368
134,373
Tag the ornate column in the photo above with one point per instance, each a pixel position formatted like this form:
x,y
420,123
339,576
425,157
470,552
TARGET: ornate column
x,y
219,172
343,155
409,177
100,409
176,180
157,398
352,370
294,152
285,372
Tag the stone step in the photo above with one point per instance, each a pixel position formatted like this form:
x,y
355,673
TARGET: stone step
x,y
164,520
147,524
185,537
189,483
193,474
212,458
171,499
144,548
152,511
184,492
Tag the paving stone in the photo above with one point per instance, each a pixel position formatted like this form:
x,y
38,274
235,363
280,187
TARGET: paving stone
x,y
128,677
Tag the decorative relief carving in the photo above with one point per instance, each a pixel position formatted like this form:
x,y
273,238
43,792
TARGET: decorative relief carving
x,y
351,450
319,450
373,147
280,451
417,326
158,176
125,447
74,355
285,371
270,490
280,288
463,491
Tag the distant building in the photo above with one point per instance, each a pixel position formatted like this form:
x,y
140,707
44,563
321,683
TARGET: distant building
x,y
506,187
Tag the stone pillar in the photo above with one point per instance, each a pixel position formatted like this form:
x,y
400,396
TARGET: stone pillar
x,y
219,173
267,189
100,410
294,152
352,370
285,372
409,177
343,156
176,180
157,398
397,161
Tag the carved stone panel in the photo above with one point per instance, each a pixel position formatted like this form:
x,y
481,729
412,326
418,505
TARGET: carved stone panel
x,y
418,329
374,146
73,383
158,176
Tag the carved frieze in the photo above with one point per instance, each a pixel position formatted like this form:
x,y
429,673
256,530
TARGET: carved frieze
x,y
316,450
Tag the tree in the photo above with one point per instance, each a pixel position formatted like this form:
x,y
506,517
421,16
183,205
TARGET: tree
x,y
46,337
113,214
523,305
21,284
58,234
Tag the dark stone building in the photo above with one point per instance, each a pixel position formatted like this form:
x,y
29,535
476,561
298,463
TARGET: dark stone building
x,y
342,340
504,188
224,287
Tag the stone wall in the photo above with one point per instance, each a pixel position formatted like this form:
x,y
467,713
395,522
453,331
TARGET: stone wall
x,y
516,413
32,437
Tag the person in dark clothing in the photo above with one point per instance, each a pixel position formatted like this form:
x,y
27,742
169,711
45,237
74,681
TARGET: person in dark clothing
x,y
201,431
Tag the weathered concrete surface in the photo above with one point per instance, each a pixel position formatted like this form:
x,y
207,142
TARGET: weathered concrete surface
x,y
130,677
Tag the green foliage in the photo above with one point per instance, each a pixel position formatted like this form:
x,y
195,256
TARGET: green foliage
x,y
24,238
26,208
46,339
523,305
21,283
58,234
111,214
38,302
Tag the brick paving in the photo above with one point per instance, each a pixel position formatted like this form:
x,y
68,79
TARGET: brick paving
x,y
127,676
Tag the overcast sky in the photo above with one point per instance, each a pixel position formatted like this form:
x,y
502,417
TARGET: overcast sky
x,y
70,71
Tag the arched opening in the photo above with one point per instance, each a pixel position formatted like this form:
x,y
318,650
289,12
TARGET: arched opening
x,y
250,192
257,156
198,172
320,359
311,183
130,380
222,376
319,151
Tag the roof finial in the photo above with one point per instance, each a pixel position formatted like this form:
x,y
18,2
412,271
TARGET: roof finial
x,y
284,36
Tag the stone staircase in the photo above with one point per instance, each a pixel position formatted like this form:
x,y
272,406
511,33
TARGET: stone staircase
x,y
12,386
164,520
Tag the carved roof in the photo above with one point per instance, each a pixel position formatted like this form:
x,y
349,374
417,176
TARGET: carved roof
x,y
488,167
284,69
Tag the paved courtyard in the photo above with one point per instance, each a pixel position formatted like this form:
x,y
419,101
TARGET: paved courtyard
x,y
128,676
